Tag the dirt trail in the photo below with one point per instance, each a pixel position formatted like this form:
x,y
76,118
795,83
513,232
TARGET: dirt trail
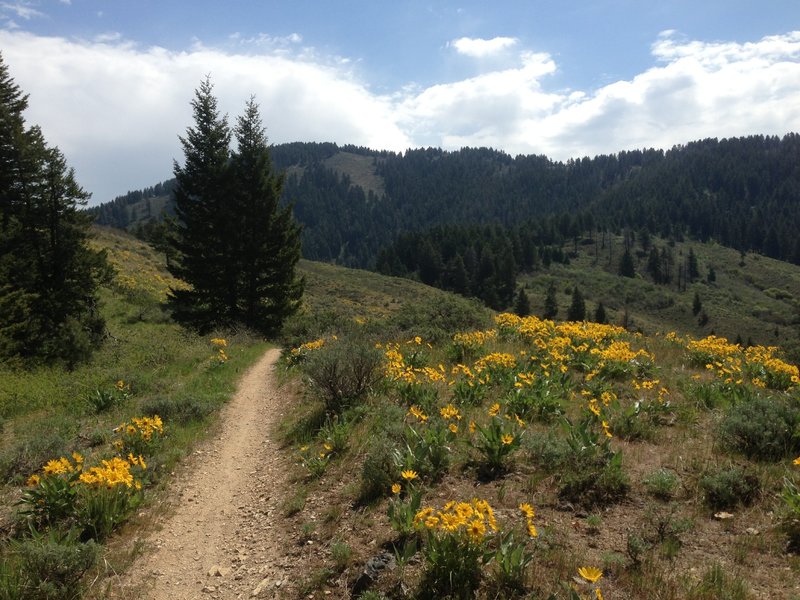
x,y
223,538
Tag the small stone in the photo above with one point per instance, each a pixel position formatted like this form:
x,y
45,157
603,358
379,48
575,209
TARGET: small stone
x,y
722,516
259,588
751,531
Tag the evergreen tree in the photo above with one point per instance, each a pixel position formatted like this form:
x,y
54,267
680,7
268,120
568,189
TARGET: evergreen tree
x,y
626,268
692,269
697,305
522,305
48,275
550,302
268,239
201,236
600,313
234,244
577,309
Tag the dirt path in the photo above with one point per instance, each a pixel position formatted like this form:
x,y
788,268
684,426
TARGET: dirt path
x,y
222,540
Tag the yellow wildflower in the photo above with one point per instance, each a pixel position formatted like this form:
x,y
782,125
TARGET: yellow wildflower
x,y
396,488
507,438
527,510
34,480
590,574
476,530
532,529
408,474
494,410
453,427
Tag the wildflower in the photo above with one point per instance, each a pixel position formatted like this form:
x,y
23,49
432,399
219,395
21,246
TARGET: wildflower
x,y
797,461
598,594
532,530
34,480
472,427
408,474
327,446
507,438
590,574
219,342
416,412
606,430
494,410
450,412
476,530
527,510
396,488
453,427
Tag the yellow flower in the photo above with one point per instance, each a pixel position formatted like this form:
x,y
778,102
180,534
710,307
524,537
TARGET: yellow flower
x,y
507,438
606,430
527,510
476,530
472,427
598,594
396,487
797,461
453,427
431,522
34,480
532,529
590,574
408,474
494,409
327,446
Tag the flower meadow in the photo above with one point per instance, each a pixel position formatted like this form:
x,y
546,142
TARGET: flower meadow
x,y
461,442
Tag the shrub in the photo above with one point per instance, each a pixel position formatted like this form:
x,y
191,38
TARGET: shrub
x,y
343,372
727,488
181,410
763,429
379,471
661,484
50,565
715,583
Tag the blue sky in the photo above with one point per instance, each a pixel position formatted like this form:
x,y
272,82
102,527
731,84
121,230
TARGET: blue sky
x,y
110,82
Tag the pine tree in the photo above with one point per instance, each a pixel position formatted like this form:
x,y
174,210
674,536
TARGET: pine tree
x,y
697,304
200,235
48,275
550,302
522,305
626,267
234,244
268,248
600,313
577,309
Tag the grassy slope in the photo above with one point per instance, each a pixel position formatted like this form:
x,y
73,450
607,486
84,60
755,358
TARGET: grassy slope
x,y
752,297
708,558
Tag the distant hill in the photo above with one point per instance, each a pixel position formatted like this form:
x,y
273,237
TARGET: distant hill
x,y
743,193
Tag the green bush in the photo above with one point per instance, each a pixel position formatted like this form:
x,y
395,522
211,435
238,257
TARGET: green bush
x,y
343,372
379,470
727,488
49,566
594,486
661,484
764,429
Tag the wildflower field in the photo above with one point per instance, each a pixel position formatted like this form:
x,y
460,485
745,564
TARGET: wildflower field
x,y
539,459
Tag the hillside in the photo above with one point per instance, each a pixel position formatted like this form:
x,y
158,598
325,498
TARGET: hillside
x,y
352,202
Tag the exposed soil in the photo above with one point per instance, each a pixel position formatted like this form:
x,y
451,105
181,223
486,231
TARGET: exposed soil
x,y
223,535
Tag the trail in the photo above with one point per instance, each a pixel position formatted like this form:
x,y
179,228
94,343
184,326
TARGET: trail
x,y
223,539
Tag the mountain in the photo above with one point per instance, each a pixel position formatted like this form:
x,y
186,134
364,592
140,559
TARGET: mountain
x,y
741,192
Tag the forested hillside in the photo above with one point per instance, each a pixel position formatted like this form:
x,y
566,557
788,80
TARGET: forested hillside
x,y
353,202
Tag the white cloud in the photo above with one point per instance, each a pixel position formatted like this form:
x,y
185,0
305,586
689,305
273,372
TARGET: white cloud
x,y
482,48
22,9
116,109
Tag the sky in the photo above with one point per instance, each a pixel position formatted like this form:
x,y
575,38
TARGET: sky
x,y
110,81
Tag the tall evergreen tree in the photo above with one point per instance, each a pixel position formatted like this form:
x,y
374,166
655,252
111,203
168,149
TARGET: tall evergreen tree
x,y
200,235
600,313
626,267
235,245
550,302
522,305
48,275
267,288
577,309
